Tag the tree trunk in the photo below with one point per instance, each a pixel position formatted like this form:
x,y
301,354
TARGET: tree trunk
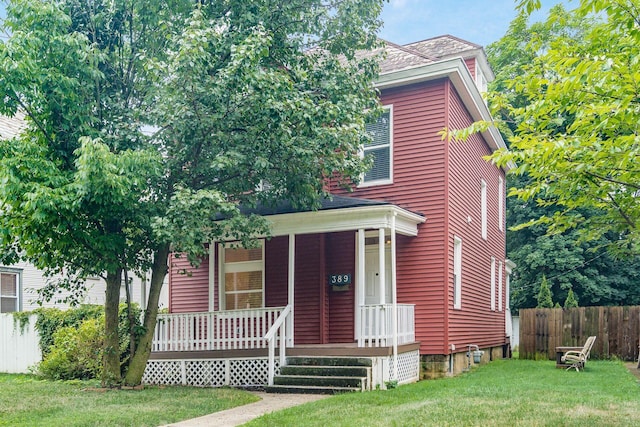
x,y
139,359
111,357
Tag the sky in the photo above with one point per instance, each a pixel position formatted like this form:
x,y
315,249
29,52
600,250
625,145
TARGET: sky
x,y
478,21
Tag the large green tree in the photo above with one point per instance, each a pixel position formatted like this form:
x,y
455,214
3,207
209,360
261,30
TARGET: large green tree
x,y
149,121
576,134
570,257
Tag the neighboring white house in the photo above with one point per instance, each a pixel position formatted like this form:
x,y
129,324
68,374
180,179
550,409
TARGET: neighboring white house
x,y
20,282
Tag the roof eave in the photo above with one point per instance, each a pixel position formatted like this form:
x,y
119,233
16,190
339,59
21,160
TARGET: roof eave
x,y
456,70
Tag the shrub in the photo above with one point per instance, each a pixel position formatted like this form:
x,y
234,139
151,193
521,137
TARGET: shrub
x,y
76,353
72,340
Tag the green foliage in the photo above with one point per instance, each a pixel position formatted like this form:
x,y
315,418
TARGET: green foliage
x,y
571,301
76,352
150,122
570,258
545,299
49,320
71,340
575,133
21,320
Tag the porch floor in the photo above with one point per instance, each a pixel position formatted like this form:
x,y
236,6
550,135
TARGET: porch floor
x,y
332,349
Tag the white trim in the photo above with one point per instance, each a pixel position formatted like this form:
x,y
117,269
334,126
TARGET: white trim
x,y
347,219
18,286
493,284
360,283
382,266
500,204
483,207
456,70
388,181
457,273
212,276
291,288
237,267
394,298
499,285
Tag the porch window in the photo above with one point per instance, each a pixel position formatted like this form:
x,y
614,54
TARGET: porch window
x,y
243,277
380,149
9,291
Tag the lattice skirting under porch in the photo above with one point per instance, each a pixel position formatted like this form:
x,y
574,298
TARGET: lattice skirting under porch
x,y
244,372
408,367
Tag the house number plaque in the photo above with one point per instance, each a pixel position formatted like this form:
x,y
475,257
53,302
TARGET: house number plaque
x,y
339,279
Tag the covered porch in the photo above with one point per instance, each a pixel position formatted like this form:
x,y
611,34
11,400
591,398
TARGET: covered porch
x,y
335,269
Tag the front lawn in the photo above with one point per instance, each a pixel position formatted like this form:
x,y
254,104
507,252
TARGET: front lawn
x,y
28,401
502,393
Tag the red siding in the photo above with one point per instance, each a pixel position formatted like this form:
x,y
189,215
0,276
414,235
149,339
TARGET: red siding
x,y
419,186
308,279
475,323
341,250
471,65
276,276
188,286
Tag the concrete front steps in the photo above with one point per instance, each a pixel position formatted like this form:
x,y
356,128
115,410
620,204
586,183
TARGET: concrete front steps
x,y
323,375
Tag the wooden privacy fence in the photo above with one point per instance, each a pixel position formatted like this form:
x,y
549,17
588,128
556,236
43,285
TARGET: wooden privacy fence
x,y
617,330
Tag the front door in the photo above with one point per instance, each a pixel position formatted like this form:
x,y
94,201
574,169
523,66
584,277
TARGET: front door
x,y
372,275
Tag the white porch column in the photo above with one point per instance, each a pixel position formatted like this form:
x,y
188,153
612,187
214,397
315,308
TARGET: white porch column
x,y
291,283
394,297
382,260
212,276
360,283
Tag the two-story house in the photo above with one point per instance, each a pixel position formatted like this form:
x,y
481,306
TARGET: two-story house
x,y
407,272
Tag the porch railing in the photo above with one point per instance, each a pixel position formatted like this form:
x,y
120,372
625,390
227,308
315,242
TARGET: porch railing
x,y
222,330
278,330
376,326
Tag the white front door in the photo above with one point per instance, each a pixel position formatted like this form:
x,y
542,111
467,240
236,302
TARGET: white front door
x,y
372,275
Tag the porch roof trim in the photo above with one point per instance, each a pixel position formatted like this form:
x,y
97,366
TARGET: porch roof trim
x,y
346,219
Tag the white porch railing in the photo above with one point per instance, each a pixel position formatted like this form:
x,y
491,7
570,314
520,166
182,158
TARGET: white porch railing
x,y
279,329
376,326
222,330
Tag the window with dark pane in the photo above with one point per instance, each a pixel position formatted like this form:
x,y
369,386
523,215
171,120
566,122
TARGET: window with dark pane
x,y
8,292
379,148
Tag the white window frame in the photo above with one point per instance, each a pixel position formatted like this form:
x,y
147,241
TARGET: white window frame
x,y
493,284
483,207
499,285
364,150
500,204
457,273
236,267
18,296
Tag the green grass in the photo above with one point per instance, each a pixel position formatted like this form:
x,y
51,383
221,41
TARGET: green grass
x,y
28,401
502,393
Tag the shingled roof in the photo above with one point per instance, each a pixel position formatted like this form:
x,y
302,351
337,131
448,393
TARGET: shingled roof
x,y
423,52
11,126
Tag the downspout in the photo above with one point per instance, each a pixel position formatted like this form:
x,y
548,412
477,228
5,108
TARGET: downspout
x,y
447,97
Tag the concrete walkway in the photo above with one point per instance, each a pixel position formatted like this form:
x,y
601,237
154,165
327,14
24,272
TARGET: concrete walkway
x,y
243,414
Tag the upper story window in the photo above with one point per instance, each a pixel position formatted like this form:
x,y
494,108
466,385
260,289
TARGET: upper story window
x,y
483,207
380,148
242,277
481,80
9,291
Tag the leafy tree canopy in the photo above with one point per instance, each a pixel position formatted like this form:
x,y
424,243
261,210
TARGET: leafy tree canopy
x,y
149,120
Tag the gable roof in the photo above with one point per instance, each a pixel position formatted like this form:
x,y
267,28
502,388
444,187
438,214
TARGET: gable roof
x,y
444,47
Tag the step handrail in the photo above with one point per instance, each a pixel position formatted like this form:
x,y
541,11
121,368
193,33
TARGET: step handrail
x,y
278,325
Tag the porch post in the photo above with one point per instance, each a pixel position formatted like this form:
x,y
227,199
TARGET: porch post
x,y
212,276
382,272
360,286
291,283
394,297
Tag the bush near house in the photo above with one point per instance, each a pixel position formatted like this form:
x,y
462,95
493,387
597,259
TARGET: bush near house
x,y
72,340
